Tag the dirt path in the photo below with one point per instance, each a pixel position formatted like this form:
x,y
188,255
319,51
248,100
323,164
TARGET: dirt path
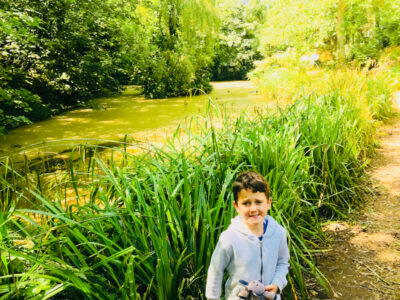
x,y
364,259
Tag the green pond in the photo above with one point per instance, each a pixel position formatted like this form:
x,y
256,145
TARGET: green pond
x,y
126,114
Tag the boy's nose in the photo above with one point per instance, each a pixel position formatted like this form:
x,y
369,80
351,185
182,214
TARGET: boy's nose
x,y
253,207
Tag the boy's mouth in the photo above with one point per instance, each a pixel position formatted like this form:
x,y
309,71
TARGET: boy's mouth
x,y
254,216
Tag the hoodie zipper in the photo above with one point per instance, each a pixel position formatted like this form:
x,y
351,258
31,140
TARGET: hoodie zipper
x,y
261,249
261,254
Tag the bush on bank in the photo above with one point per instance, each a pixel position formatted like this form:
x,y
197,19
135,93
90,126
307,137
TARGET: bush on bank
x,y
237,45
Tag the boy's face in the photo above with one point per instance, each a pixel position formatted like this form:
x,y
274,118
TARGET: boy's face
x,y
252,207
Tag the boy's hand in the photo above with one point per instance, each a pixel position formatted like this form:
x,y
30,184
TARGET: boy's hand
x,y
272,288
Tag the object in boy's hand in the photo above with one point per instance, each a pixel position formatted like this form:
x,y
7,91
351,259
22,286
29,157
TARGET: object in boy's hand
x,y
255,290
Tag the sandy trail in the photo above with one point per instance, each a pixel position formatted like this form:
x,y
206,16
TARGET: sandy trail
x,y
363,261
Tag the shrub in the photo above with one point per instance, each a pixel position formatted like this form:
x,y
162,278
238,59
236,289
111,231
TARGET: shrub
x,y
20,107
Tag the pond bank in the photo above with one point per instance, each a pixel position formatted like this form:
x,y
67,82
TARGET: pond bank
x,y
363,261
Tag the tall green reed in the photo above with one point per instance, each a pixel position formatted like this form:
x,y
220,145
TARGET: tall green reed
x,y
151,221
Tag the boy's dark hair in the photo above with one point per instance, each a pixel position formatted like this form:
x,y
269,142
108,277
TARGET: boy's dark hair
x,y
250,180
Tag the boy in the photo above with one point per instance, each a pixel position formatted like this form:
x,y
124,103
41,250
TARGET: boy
x,y
254,247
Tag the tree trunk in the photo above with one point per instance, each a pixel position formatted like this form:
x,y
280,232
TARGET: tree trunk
x,y
339,30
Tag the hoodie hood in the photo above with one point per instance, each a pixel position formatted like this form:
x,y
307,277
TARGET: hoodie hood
x,y
238,226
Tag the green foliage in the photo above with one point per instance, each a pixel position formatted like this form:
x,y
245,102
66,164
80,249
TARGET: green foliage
x,y
286,77
20,107
352,29
74,52
68,52
237,44
16,102
183,36
174,75
297,23
63,52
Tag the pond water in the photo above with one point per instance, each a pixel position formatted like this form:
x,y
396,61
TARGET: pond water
x,y
126,114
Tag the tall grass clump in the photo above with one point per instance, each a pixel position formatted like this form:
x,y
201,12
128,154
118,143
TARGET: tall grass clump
x,y
286,76
149,222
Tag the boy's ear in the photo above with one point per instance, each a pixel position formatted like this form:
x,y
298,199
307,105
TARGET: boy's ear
x,y
235,205
269,202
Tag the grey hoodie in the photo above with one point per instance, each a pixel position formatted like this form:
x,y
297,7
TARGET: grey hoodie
x,y
245,257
